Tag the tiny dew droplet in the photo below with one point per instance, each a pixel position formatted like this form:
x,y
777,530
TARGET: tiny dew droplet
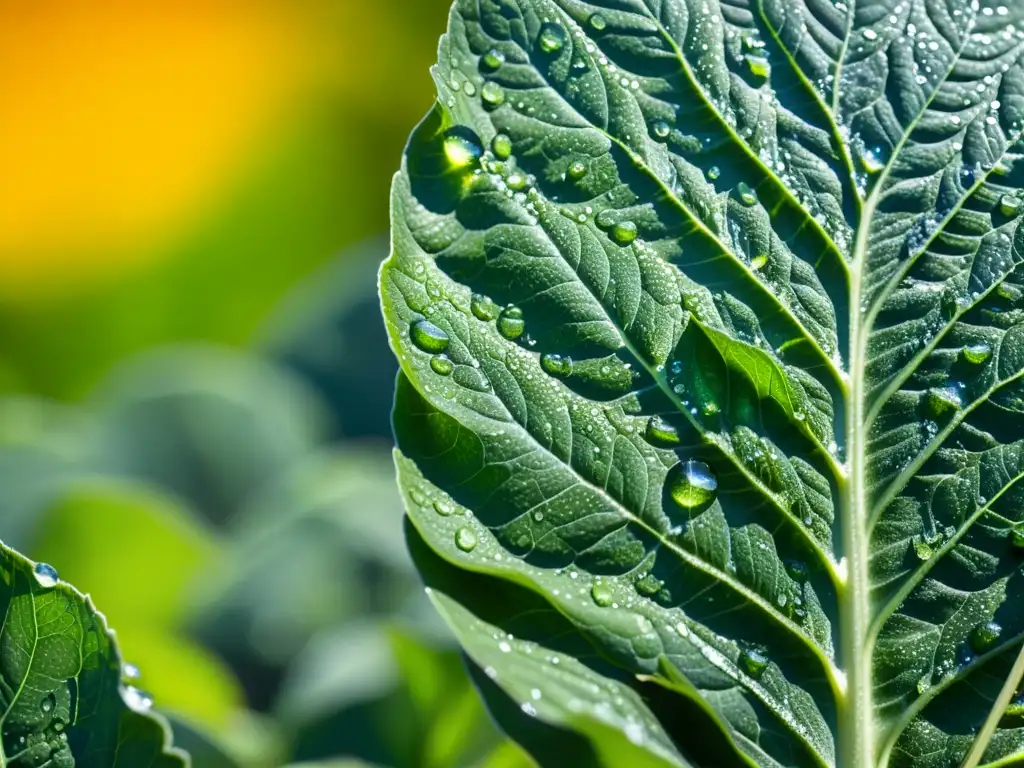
x,y
577,170
427,336
552,38
661,129
492,94
693,484
714,172
137,699
977,353
492,60
624,232
661,433
601,595
759,261
462,147
46,575
483,308
441,365
501,146
985,635
746,194
510,323
465,539
598,22
754,660
443,508
1008,205
556,365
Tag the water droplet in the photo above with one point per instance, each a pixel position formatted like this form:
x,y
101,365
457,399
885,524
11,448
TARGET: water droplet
x,y
661,129
48,703
443,508
871,161
501,146
441,365
130,672
985,635
977,353
46,575
624,232
137,699
465,539
923,550
940,400
556,365
552,38
601,595
758,65
598,22
714,172
693,484
661,433
797,570
516,182
606,219
746,194
510,323
754,660
492,94
483,308
428,336
758,262
492,60
577,170
1008,205
462,147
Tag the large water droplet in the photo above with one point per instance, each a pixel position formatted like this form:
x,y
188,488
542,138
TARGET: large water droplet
x,y
923,550
510,323
661,129
137,699
797,570
754,660
492,60
606,218
624,232
556,365
428,337
1008,205
661,433
693,484
465,539
977,353
601,595
442,507
441,365
598,22
758,65
483,307
130,672
941,400
552,37
492,94
746,193
46,575
985,635
501,146
462,147
577,170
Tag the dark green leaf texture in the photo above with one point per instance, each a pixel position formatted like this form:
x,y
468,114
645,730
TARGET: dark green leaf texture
x,y
62,700
710,316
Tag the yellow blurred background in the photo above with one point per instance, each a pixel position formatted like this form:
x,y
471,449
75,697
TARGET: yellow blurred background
x,y
194,389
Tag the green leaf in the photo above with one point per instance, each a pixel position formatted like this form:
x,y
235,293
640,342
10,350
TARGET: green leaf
x,y
710,317
62,699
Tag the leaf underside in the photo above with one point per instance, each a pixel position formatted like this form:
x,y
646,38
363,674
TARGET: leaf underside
x,y
710,316
62,700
